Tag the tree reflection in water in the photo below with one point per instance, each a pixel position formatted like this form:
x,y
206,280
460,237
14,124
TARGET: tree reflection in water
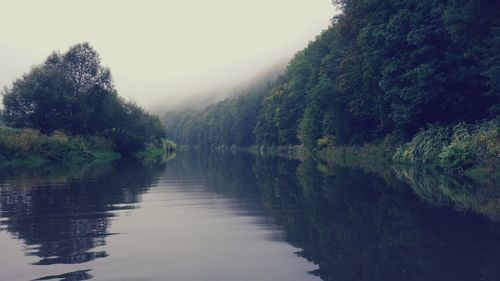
x,y
64,214
360,224
355,222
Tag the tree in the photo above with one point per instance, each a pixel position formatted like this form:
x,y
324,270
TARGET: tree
x,y
74,93
382,68
82,65
39,100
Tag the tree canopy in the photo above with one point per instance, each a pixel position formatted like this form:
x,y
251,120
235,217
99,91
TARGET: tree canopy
x,y
72,92
382,68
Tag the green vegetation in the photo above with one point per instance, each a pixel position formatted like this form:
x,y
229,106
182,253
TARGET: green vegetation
x,y
384,74
462,149
157,152
70,112
379,152
27,147
225,124
455,149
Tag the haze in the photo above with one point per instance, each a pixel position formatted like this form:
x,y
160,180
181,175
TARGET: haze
x,y
163,53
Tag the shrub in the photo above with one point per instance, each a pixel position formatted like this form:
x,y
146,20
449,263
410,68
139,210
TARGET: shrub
x,y
457,157
26,145
425,147
455,149
472,145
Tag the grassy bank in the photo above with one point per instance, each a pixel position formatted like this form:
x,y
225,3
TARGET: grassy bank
x,y
456,149
464,149
26,147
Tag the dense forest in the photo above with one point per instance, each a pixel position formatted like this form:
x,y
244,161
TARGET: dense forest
x,y
383,71
72,94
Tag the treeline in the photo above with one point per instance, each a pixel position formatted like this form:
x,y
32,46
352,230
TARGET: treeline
x,y
227,123
384,69
74,94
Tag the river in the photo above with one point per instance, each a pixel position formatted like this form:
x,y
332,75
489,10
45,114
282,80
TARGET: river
x,y
237,217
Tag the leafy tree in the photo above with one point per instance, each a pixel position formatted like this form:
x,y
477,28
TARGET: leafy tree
x,y
72,92
82,65
382,67
38,100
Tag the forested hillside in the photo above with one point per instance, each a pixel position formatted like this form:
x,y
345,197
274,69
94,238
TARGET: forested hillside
x,y
230,122
383,69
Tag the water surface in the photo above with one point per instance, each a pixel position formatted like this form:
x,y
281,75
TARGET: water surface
x,y
239,217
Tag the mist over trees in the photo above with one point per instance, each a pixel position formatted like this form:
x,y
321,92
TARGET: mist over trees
x,y
201,99
383,68
229,122
73,93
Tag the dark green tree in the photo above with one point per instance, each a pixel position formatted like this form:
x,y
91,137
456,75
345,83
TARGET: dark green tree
x,y
72,92
382,68
39,100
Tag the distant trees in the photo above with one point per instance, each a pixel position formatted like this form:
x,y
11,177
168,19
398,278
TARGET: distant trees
x,y
72,92
383,67
227,123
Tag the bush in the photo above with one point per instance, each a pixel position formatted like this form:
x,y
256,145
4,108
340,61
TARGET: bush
x,y
457,157
24,146
472,145
425,147
455,149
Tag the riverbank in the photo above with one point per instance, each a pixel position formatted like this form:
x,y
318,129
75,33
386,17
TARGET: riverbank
x,y
476,189
27,147
471,150
30,148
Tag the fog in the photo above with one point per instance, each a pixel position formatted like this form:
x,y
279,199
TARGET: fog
x,y
164,54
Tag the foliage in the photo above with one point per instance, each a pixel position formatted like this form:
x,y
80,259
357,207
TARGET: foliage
x,y
73,93
161,150
472,145
456,148
457,157
381,68
459,154
227,123
425,147
27,146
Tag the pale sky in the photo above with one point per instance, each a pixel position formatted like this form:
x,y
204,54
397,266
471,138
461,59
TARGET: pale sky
x,y
162,53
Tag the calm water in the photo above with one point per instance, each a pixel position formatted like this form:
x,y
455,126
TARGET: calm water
x,y
239,217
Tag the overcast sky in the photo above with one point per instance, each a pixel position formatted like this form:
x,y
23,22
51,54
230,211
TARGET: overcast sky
x,y
162,52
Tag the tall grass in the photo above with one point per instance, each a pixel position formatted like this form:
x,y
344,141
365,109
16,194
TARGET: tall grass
x,y
30,147
455,149
462,149
424,148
